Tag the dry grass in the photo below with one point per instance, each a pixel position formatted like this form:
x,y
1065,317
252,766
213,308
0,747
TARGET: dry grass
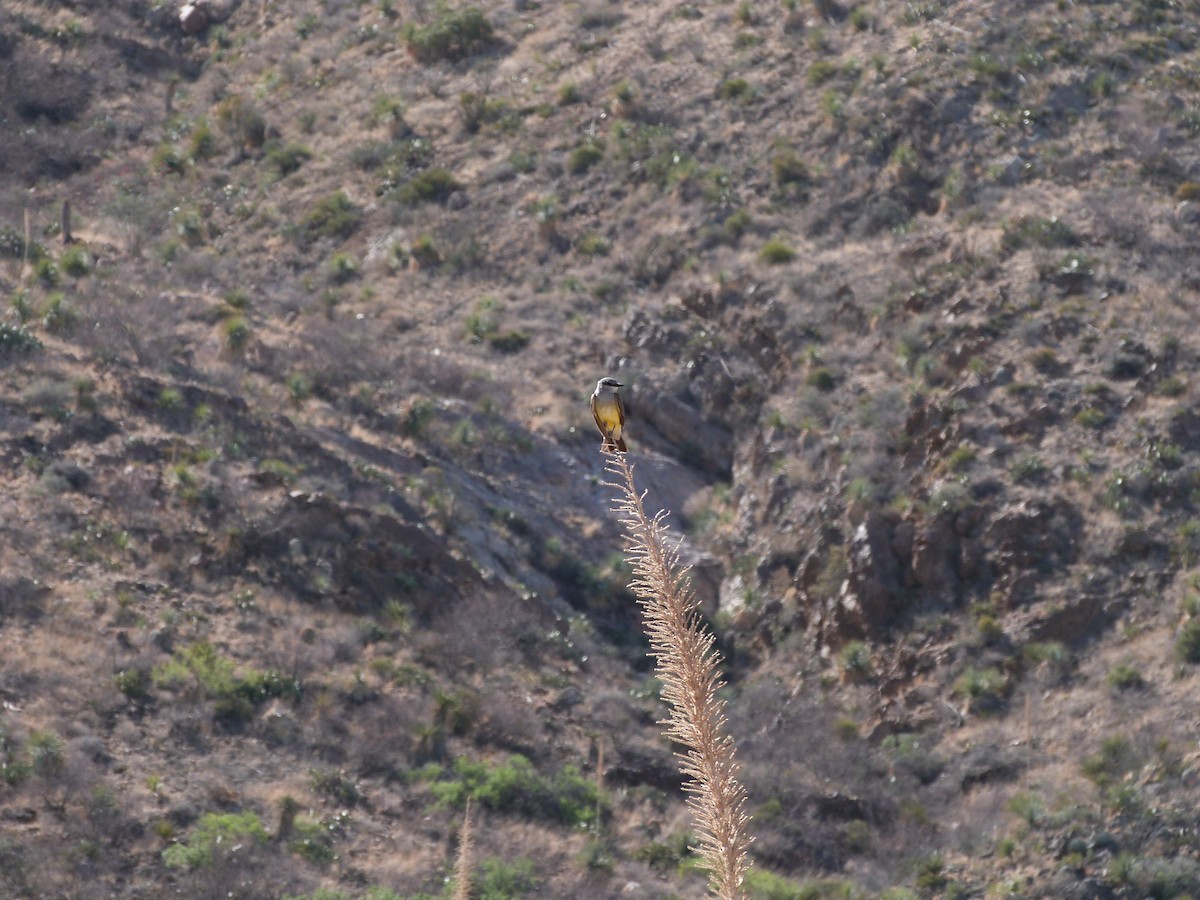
x,y
462,864
687,664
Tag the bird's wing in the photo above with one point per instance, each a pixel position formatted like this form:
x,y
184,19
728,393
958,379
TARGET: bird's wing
x,y
596,416
620,411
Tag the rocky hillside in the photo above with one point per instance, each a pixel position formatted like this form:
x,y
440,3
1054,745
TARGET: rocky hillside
x,y
305,537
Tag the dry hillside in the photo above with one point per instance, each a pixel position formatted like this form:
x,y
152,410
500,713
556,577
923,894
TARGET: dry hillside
x,y
304,536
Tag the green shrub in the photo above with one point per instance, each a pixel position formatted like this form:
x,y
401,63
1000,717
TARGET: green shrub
x,y
75,261
500,879
762,884
1114,759
737,223
821,378
299,387
342,268
17,339
821,71
236,696
166,160
516,788
214,830
203,144
313,841
569,94
60,316
509,341
1035,231
856,660
47,272
1027,468
133,683
584,157
334,216
237,333
776,252
735,89
454,35
47,754
593,245
242,120
1124,677
788,170
984,688
286,158
1187,642
430,186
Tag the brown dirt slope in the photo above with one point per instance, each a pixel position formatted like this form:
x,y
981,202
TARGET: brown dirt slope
x,y
304,537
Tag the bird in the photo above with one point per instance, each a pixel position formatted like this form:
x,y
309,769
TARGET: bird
x,y
609,413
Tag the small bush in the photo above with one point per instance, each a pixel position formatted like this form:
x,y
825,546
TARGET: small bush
x,y
342,268
509,341
430,186
515,787
776,252
1125,677
983,688
1114,759
133,683
821,378
584,157
593,245
334,216
1187,642
286,158
737,223
212,832
453,36
1035,231
242,120
789,172
166,160
856,661
237,333
47,272
1091,417
1026,469
60,316
500,878
203,144
75,261
821,71
17,339
569,94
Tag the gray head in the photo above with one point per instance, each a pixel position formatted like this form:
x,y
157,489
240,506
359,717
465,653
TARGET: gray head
x,y
608,382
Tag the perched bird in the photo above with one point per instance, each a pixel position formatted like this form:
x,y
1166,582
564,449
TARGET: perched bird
x,y
609,413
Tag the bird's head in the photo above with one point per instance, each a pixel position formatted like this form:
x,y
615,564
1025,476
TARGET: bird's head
x,y
608,382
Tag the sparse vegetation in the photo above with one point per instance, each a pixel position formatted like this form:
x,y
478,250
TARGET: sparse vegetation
x,y
451,36
302,526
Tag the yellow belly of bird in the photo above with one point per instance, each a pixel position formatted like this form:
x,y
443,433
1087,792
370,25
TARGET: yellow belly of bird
x,y
606,410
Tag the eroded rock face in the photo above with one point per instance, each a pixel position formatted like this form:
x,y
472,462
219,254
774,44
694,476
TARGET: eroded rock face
x,y
1028,537
893,563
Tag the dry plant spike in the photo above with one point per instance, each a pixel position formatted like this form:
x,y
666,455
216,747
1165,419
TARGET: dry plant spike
x,y
687,666
462,865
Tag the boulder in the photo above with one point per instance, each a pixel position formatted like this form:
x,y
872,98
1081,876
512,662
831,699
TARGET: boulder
x,y
192,18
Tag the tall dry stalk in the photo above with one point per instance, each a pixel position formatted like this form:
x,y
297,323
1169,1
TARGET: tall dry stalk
x,y
462,865
687,665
